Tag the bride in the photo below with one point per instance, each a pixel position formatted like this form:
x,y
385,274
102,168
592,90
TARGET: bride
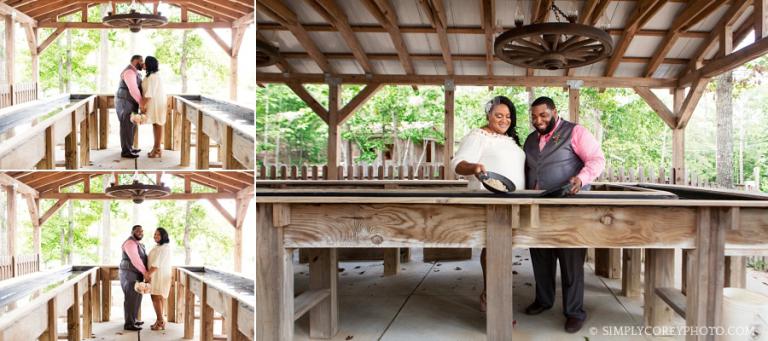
x,y
159,275
154,103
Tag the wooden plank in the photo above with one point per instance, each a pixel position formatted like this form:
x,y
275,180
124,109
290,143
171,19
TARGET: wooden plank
x,y
573,104
203,145
323,274
106,293
644,10
73,317
51,333
307,300
359,100
274,278
189,310
70,146
721,65
501,222
659,273
332,13
449,129
631,271
87,310
705,285
716,35
674,299
761,19
186,137
334,136
608,262
691,100
386,15
446,254
245,323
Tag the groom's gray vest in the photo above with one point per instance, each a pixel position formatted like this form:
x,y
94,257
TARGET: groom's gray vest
x,y
123,94
555,164
125,262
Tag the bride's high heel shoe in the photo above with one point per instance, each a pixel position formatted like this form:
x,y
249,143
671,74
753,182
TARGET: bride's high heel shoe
x,y
158,326
155,153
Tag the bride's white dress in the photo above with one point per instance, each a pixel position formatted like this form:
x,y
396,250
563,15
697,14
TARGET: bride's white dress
x,y
498,153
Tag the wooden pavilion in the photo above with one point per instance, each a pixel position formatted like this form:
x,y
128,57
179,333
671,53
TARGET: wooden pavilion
x,y
658,45
32,15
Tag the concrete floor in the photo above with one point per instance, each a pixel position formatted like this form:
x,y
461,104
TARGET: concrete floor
x,y
109,159
440,301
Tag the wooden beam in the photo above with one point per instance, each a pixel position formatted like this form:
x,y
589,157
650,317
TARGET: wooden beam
x,y
51,211
224,46
50,39
11,219
436,13
480,80
33,205
449,104
168,26
172,196
598,12
227,216
329,10
488,14
717,34
281,13
644,10
19,16
385,14
658,106
334,137
363,96
691,100
573,104
678,140
311,102
10,43
21,187
721,65
541,12
681,22
761,19
245,20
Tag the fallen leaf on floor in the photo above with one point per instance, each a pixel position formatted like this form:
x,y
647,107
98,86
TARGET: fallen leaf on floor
x,y
349,337
457,268
517,263
362,272
514,272
437,270
341,269
439,264
357,267
528,284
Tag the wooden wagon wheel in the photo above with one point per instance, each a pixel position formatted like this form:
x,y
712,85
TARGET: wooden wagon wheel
x,y
553,46
266,54
134,21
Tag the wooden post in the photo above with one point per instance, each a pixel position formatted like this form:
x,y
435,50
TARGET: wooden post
x,y
73,317
35,58
70,145
334,138
502,220
238,249
678,141
106,293
203,145
705,287
10,51
186,137
608,262
274,274
735,272
631,268
51,333
324,274
84,142
206,315
172,297
573,104
168,127
189,311
87,311
391,261
49,160
761,19
103,121
233,333
659,273
10,193
450,100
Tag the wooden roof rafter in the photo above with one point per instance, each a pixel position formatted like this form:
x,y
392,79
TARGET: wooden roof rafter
x,y
488,13
281,13
435,12
694,10
332,13
385,14
644,10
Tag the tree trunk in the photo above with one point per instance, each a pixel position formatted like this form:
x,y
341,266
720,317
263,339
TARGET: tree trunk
x,y
187,223
63,245
104,55
106,214
183,62
69,61
724,105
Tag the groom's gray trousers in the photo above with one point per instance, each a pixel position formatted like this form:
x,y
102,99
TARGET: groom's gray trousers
x,y
124,107
132,302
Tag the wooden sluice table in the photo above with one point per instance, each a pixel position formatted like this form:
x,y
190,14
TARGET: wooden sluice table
x,y
30,305
322,220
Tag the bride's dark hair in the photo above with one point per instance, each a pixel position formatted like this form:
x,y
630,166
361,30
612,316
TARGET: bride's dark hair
x,y
164,239
512,130
151,65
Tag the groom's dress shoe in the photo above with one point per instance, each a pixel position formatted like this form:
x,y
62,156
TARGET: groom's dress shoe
x,y
129,156
135,328
135,151
139,323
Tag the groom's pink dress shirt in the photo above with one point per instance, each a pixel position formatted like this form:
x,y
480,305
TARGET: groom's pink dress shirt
x,y
586,148
131,248
129,76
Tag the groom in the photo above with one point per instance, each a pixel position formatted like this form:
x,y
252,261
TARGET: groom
x,y
133,267
559,152
127,101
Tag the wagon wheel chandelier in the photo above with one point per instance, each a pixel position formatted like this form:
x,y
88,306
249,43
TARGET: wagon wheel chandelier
x,y
137,191
553,45
134,20
266,54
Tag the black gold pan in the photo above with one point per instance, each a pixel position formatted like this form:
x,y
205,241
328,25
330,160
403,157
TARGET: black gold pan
x,y
484,177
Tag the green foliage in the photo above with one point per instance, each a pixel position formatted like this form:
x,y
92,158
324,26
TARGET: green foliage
x,y
84,214
203,65
206,237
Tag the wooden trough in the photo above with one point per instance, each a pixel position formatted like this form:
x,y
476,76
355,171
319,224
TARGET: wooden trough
x,y
30,305
228,124
292,218
30,132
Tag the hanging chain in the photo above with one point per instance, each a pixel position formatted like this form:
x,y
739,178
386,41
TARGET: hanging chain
x,y
558,13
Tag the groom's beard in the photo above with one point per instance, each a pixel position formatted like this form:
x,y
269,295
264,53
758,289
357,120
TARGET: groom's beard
x,y
137,237
550,126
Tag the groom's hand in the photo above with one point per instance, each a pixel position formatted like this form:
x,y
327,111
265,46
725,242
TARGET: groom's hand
x,y
575,185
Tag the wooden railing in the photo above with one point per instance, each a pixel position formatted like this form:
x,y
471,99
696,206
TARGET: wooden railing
x,y
14,266
17,93
356,172
650,175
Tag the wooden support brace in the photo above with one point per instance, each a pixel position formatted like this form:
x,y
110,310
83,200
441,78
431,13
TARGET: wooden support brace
x,y
501,220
